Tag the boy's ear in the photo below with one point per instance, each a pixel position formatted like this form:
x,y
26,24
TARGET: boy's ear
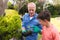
x,y
45,20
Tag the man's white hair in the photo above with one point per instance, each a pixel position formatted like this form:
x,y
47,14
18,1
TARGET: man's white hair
x,y
31,4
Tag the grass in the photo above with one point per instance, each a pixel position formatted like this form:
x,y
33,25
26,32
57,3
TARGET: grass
x,y
56,22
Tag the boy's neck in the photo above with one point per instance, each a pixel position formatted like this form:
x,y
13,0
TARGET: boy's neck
x,y
48,24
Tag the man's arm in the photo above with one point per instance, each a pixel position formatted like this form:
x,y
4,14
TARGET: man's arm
x,y
37,28
24,31
40,27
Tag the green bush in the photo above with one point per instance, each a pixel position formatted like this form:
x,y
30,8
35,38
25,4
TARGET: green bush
x,y
10,25
23,10
16,7
10,5
54,9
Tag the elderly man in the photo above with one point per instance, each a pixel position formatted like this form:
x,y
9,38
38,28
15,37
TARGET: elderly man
x,y
30,24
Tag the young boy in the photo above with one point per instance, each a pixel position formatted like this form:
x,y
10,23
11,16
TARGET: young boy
x,y
49,32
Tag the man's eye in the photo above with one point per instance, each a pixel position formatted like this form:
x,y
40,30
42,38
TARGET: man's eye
x,y
31,10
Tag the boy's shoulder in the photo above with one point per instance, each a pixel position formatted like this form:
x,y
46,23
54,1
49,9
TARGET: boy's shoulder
x,y
54,29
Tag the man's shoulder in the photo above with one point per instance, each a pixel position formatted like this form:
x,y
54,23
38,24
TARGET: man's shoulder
x,y
36,14
26,14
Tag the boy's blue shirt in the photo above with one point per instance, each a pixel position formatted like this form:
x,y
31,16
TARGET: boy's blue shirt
x,y
29,24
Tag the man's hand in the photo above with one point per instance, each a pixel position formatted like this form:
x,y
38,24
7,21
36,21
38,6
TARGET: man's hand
x,y
36,29
27,33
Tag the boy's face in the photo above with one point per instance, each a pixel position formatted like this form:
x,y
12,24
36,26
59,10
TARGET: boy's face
x,y
42,22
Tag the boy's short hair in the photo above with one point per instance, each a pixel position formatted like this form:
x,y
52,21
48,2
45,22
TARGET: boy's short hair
x,y
44,15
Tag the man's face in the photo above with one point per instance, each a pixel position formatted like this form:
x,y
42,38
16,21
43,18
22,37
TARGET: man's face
x,y
31,10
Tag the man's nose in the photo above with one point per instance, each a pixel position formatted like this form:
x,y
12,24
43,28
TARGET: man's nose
x,y
31,11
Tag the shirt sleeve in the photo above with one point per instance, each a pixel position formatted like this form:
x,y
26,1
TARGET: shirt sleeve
x,y
39,28
56,35
39,25
23,21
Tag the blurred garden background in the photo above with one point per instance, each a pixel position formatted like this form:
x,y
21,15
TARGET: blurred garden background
x,y
11,12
